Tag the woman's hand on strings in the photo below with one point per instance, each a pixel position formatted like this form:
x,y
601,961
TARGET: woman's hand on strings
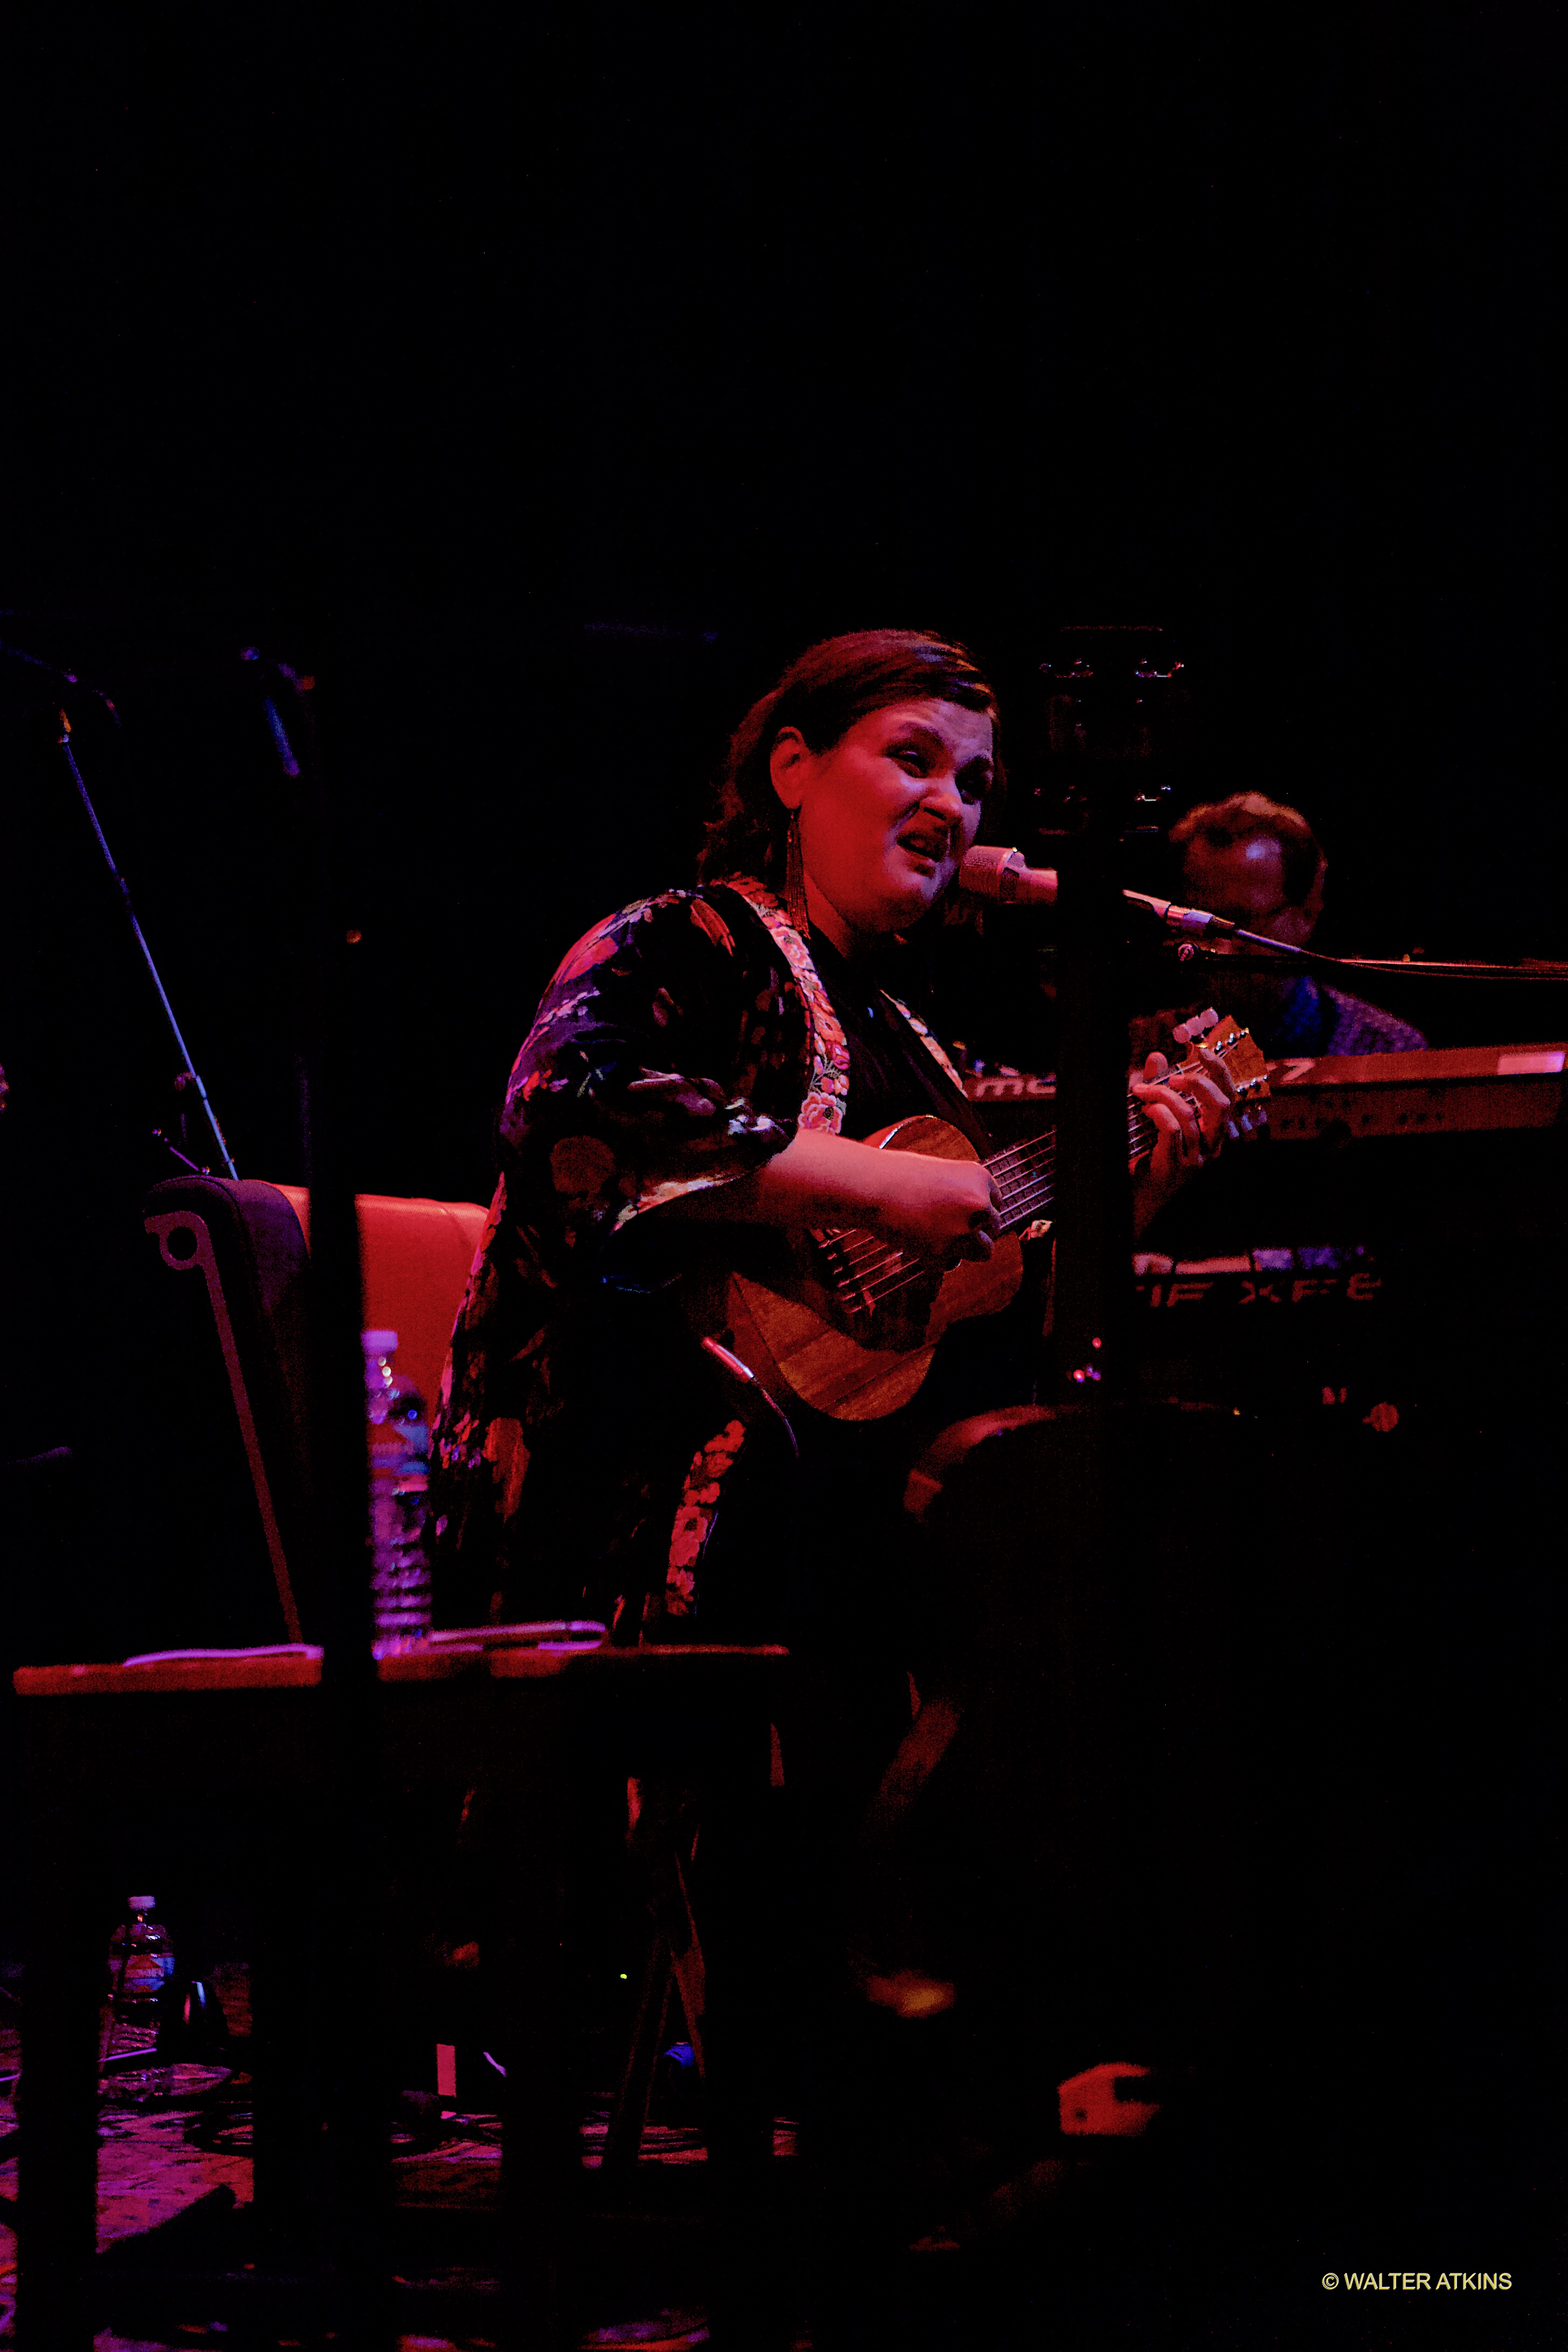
x,y
1191,1128
941,1210
944,1208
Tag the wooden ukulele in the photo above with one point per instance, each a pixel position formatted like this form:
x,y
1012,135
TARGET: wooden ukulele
x,y
848,1323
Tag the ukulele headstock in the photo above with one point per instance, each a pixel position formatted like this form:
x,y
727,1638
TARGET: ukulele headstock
x,y
1242,1067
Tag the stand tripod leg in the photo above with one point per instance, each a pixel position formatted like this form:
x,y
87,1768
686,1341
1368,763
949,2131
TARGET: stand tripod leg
x,y
629,2119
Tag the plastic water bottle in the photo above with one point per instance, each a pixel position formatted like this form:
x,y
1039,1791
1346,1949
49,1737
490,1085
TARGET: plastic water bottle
x,y
141,1963
399,1474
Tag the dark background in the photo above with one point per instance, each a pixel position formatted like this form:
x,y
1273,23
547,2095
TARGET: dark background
x,y
541,394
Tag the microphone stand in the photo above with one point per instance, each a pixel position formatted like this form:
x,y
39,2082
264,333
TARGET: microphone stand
x,y
1065,1678
1093,1199
1539,970
189,1075
1196,924
1105,718
349,1822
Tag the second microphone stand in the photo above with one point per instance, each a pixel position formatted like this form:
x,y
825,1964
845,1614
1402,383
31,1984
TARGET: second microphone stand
x,y
189,1075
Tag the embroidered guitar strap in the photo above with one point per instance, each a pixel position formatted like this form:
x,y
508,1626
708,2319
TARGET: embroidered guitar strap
x,y
927,1040
827,1095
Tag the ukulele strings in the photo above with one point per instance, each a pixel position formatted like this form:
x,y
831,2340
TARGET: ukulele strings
x,y
858,1252
1027,1188
1022,1175
1029,1181
1025,1177
1016,1171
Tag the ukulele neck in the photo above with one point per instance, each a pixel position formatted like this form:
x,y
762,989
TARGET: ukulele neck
x,y
1024,1174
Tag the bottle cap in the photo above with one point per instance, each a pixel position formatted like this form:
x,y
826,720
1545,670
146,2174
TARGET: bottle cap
x,y
378,1343
140,1902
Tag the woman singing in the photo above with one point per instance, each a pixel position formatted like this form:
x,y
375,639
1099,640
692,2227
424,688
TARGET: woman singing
x,y
703,1067
707,1061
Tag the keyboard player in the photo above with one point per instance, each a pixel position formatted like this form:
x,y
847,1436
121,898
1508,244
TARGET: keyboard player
x,y
1259,863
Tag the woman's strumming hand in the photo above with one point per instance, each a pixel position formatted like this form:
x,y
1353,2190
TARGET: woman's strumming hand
x,y
944,1208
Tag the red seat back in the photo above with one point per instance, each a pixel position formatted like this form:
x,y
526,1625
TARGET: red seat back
x,y
415,1257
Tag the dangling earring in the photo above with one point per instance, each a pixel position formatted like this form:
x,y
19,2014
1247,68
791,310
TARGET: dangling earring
x,y
794,878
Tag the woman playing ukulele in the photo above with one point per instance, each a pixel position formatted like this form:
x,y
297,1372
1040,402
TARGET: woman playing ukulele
x,y
705,1062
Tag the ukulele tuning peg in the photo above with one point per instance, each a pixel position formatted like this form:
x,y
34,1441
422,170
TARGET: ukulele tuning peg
x,y
1190,1032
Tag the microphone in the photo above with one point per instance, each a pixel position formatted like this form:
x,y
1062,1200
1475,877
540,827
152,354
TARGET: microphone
x,y
1001,875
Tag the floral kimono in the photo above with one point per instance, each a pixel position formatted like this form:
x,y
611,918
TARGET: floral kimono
x,y
583,1440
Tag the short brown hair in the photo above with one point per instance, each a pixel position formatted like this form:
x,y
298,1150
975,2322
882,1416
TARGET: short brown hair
x,y
824,692
1220,825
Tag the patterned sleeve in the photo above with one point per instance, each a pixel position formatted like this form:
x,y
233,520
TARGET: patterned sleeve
x,y
668,1055
658,1064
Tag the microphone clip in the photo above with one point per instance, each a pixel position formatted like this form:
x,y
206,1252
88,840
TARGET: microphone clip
x,y
1188,919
